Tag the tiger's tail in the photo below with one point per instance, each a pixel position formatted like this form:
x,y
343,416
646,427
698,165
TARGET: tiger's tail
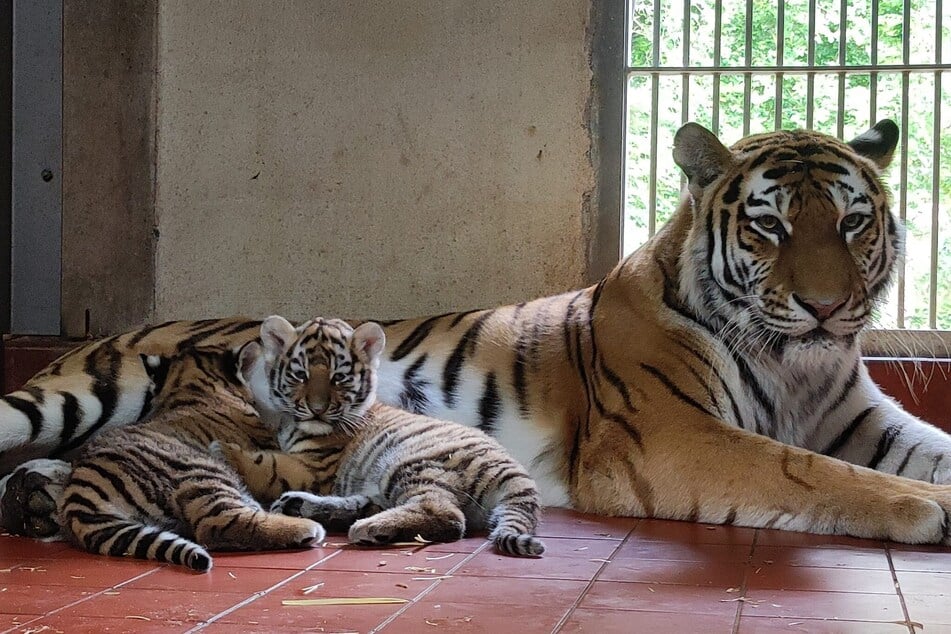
x,y
107,534
515,518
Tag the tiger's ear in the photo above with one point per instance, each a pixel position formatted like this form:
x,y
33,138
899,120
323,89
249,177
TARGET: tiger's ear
x,y
701,156
368,341
878,143
277,334
248,355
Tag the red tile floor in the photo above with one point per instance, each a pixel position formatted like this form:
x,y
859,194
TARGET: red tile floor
x,y
600,575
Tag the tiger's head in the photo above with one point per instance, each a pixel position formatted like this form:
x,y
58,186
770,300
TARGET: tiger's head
x,y
323,372
792,241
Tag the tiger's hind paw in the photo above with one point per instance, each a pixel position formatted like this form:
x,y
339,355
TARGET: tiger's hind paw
x,y
28,498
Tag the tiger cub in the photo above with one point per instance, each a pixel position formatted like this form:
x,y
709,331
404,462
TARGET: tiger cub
x,y
399,474
153,491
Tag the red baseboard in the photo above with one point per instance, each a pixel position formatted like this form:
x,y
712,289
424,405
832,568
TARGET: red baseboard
x,y
922,386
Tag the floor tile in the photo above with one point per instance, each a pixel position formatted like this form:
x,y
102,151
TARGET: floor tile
x,y
508,591
929,561
619,595
36,600
167,605
290,560
492,565
342,583
790,538
78,570
474,617
929,608
929,583
566,523
412,561
268,614
660,530
825,557
576,548
218,579
22,547
674,550
755,625
707,573
847,606
466,545
94,625
589,621
825,579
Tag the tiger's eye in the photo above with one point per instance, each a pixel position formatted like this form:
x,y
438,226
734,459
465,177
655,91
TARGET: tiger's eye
x,y
769,223
852,221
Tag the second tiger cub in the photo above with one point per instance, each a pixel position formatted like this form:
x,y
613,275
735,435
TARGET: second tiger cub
x,y
393,475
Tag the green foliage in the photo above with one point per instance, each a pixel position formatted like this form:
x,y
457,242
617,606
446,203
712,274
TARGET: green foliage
x,y
734,104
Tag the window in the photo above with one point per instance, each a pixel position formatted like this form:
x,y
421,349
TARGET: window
x,y
836,66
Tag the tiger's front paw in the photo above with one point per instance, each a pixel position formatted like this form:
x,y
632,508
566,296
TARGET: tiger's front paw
x,y
28,498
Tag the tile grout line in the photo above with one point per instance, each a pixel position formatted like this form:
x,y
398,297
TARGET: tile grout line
x,y
574,605
901,597
427,590
84,599
259,594
744,587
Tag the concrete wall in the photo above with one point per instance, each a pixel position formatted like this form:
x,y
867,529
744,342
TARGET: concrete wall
x,y
382,159
108,164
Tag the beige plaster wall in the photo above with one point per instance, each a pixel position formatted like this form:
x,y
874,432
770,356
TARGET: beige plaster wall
x,y
382,159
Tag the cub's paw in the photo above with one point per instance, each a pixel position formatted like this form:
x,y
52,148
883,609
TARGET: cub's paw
x,y
225,451
301,533
372,531
28,498
296,504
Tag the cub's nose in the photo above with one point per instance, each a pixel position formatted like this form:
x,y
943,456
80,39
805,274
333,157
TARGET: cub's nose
x,y
820,307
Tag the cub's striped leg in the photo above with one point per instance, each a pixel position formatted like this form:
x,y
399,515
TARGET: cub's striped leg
x,y
337,514
28,498
223,521
435,516
109,516
691,467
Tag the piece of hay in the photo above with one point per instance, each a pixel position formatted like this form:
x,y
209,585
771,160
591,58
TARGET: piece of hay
x,y
344,601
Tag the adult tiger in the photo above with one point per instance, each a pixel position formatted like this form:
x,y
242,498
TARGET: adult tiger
x,y
710,376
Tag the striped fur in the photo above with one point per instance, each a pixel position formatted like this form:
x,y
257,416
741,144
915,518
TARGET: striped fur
x,y
382,473
695,381
153,491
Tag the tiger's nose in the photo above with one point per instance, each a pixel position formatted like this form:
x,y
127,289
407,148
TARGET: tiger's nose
x,y
821,307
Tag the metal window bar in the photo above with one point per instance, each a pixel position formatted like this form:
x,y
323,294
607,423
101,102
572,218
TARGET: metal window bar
x,y
895,89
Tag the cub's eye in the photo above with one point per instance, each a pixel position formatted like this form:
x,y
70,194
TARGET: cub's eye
x,y
768,223
852,222
297,376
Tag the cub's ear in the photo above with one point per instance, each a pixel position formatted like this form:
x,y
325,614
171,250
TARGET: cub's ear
x,y
368,341
701,156
248,355
878,143
277,334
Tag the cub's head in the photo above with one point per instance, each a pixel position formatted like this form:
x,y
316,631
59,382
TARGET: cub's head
x,y
323,371
792,241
